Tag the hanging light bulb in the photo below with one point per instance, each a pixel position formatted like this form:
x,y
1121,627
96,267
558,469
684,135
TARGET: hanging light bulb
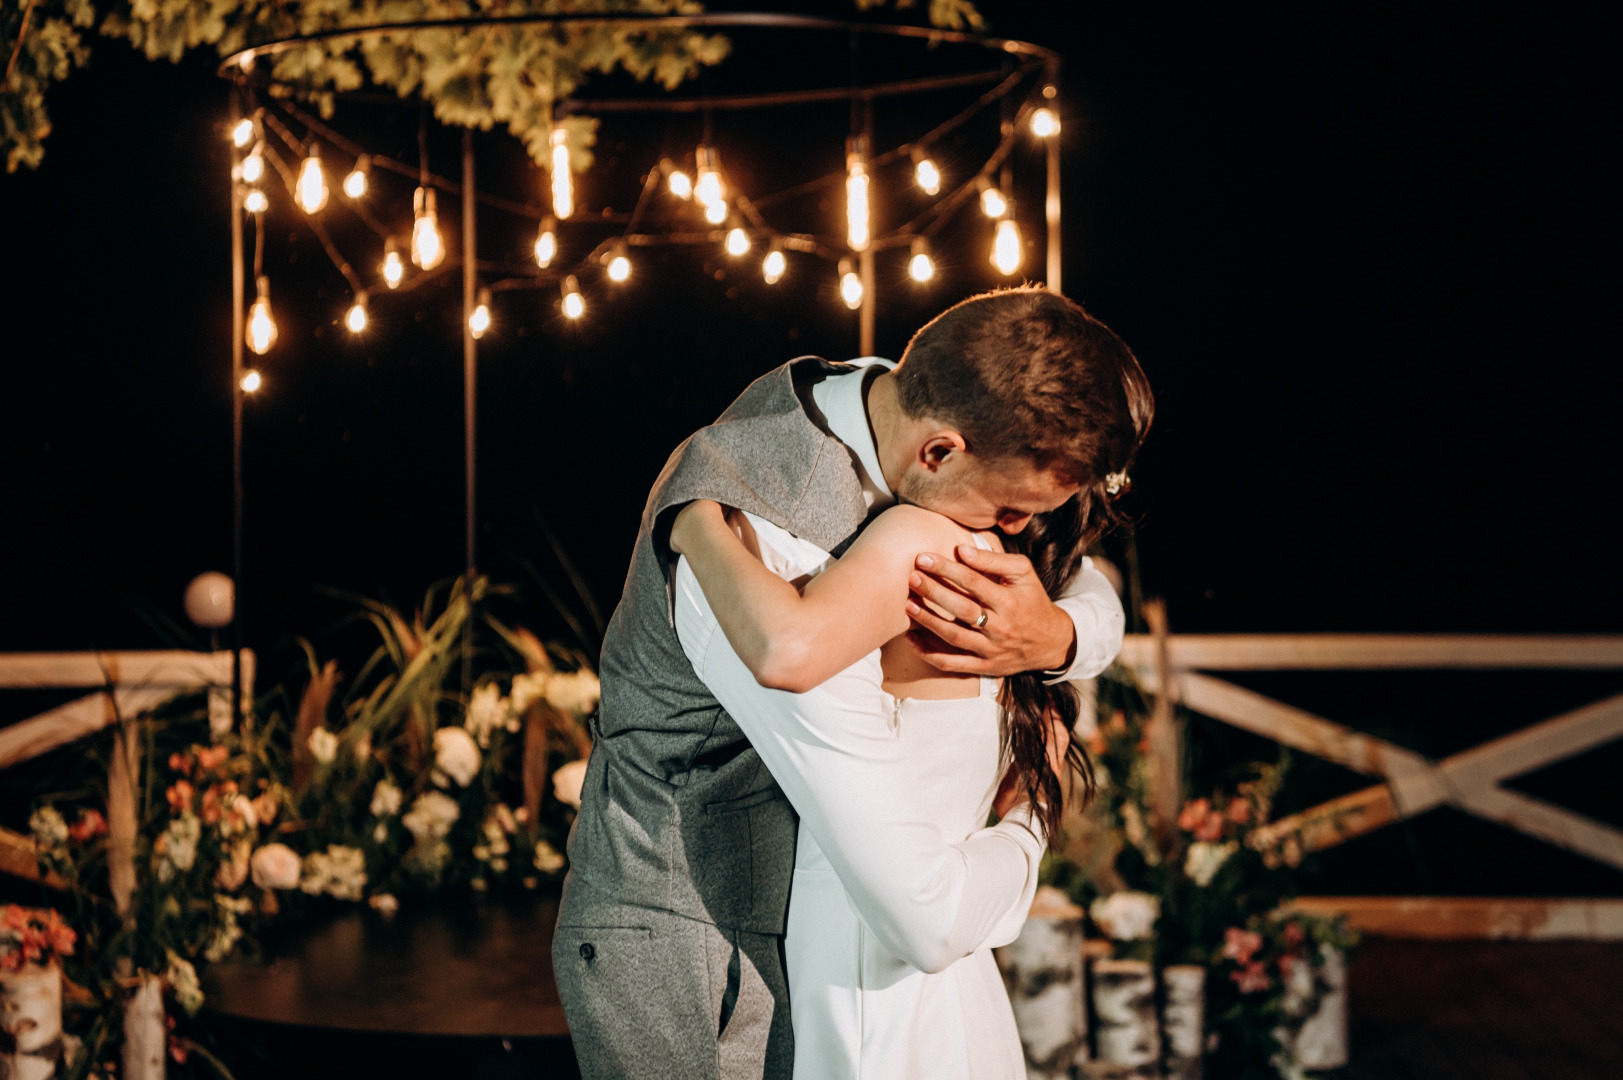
x,y
680,183
479,321
253,166
773,266
920,267
1006,246
250,381
574,303
708,190
394,267
243,133
738,242
355,182
427,249
716,213
311,188
993,204
858,214
927,175
1044,123
546,243
619,264
563,185
850,285
261,329
355,320
255,202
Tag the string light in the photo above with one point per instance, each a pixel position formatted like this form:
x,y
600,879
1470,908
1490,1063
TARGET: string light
x,y
708,190
1044,123
479,321
738,242
563,186
394,267
574,303
993,204
261,326
356,320
250,381
243,133
619,264
927,175
427,249
1006,246
311,189
546,243
857,210
255,202
253,166
773,266
850,285
920,267
680,183
355,182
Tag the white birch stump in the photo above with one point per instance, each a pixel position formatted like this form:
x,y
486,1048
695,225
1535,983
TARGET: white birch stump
x,y
1043,971
1183,1019
1316,1001
31,1022
144,1031
1124,1004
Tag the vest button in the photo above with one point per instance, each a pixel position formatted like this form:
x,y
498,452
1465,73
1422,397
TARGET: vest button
x,y
587,951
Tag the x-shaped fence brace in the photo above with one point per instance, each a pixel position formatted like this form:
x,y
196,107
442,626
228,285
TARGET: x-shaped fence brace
x,y
1413,783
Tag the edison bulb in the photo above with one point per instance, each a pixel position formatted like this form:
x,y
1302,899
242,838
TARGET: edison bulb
x,y
394,267
920,267
563,187
261,328
355,321
619,268
546,244
311,188
856,202
773,266
255,202
681,184
928,176
850,286
479,321
738,242
427,249
715,213
1006,247
243,133
355,182
1044,123
708,189
250,381
993,204
574,303
253,167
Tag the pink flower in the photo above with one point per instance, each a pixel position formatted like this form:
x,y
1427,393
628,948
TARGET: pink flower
x,y
1251,978
1194,814
1241,945
179,796
1210,829
1239,811
90,825
212,757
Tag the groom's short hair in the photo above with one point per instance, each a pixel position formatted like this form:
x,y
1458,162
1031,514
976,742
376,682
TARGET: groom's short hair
x,y
1026,373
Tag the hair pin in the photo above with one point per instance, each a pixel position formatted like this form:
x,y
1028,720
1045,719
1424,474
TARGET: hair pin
x,y
1117,482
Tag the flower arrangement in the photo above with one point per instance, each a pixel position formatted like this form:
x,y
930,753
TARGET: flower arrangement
x,y
399,786
1206,888
35,936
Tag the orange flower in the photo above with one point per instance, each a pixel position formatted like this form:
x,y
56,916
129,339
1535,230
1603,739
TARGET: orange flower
x,y
90,824
179,796
1239,811
180,763
210,811
1194,813
1241,945
1251,978
211,758
1211,828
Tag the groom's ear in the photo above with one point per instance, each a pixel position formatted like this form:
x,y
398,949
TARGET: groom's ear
x,y
939,448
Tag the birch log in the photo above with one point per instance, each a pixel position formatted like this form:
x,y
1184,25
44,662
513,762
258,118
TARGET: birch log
x,y
31,1022
1316,1001
144,1031
1124,1005
1183,1019
1043,971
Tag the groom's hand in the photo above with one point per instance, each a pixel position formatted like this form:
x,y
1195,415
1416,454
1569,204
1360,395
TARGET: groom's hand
x,y
1022,629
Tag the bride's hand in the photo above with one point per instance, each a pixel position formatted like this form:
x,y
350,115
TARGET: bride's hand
x,y
691,521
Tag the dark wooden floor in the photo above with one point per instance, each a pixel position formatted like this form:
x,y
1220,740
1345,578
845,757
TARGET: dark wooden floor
x,y
1486,1010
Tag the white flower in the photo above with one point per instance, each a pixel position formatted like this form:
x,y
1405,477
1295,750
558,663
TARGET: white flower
x,y
385,799
380,833
225,938
1205,860
487,711
495,837
176,847
49,827
431,816
574,691
384,903
323,745
567,780
1127,916
275,866
234,867
527,690
340,872
239,815
427,858
182,978
362,748
455,755
548,859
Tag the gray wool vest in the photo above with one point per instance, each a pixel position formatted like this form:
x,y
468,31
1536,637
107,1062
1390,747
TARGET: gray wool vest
x,y
677,810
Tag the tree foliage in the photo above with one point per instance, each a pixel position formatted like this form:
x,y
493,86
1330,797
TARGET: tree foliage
x,y
481,77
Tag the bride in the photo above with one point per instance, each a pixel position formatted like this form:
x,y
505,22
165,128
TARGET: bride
x,y
887,978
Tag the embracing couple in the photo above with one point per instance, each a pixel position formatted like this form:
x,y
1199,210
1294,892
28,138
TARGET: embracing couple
x,y
844,644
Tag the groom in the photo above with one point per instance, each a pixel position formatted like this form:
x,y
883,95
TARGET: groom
x,y
668,946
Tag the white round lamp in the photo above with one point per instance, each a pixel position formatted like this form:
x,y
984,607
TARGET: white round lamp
x,y
211,600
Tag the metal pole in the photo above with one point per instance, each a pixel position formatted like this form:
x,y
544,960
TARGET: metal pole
x,y
237,331
1051,203
470,360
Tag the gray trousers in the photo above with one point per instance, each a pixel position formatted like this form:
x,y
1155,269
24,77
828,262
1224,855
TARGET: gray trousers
x,y
651,995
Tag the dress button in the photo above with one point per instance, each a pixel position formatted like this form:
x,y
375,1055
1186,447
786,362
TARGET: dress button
x,y
587,951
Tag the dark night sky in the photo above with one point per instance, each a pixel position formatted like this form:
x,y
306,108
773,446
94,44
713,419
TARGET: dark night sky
x,y
1367,254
